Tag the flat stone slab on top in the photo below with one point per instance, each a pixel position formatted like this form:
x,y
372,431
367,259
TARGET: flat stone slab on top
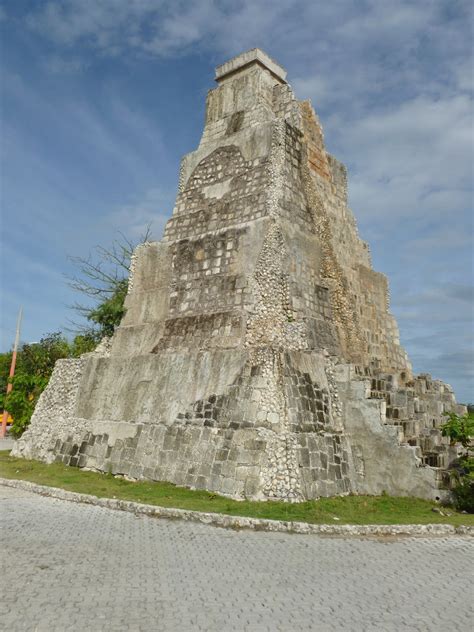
x,y
250,57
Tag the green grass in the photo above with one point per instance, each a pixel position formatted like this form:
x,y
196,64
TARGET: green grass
x,y
349,509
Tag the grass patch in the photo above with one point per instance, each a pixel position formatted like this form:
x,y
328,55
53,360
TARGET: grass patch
x,y
349,509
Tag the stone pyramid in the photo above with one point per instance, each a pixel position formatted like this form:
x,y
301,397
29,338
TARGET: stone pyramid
x,y
257,357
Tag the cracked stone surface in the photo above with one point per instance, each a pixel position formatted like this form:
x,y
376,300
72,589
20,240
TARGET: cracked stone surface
x,y
67,566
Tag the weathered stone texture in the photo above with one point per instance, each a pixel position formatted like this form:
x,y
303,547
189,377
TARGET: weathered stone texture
x,y
257,356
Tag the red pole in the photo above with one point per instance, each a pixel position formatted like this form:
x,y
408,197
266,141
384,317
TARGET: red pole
x,y
3,430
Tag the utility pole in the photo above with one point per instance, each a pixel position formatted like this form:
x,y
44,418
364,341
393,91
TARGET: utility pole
x,y
3,431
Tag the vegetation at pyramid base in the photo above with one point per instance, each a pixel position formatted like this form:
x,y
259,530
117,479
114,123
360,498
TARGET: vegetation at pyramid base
x,y
462,474
336,510
461,430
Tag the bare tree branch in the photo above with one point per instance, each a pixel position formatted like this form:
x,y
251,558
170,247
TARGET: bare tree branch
x,y
101,275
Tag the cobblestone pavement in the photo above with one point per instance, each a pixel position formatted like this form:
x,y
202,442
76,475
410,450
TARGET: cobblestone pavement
x,y
67,566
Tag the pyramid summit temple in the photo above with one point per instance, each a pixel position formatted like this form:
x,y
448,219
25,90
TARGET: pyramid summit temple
x,y
257,357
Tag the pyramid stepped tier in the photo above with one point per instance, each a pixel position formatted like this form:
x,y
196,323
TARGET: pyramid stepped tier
x,y
257,356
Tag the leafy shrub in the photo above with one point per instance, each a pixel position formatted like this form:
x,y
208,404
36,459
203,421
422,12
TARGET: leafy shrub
x,y
84,343
459,429
463,484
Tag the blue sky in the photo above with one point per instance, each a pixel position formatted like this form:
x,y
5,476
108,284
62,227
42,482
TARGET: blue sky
x,y
101,98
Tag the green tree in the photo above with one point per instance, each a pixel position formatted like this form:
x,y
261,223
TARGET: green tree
x,y
83,343
103,279
39,358
108,314
459,429
5,362
35,363
21,401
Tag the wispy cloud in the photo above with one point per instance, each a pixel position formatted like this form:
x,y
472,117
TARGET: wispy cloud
x,y
151,211
414,158
161,27
57,65
111,28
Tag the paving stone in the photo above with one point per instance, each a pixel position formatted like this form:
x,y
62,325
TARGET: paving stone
x,y
67,566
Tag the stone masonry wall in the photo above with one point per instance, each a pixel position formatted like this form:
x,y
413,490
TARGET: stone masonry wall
x,y
56,403
257,356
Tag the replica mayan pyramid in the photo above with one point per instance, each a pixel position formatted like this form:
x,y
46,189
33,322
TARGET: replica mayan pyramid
x,y
257,357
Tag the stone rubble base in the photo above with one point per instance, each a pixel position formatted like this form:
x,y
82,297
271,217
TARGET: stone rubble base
x,y
240,522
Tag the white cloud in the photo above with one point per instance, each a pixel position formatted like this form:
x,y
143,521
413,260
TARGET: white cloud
x,y
111,27
152,210
164,27
444,239
411,159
